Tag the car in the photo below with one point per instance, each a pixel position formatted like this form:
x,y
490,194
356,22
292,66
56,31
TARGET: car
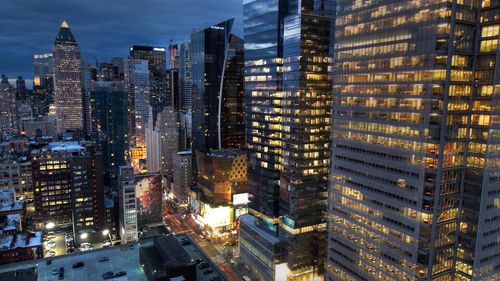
x,y
131,246
198,260
216,278
49,261
207,271
184,243
203,265
229,243
103,259
55,271
78,264
120,273
108,275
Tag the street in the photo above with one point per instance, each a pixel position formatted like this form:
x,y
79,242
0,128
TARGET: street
x,y
215,250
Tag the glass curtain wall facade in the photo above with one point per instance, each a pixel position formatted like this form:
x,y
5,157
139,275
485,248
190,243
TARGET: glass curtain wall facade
x,y
415,152
288,49
214,77
109,102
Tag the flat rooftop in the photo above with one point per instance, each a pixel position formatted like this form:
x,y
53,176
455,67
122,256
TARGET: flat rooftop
x,y
121,258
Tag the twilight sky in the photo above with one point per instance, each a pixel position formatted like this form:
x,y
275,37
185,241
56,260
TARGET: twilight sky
x,y
103,28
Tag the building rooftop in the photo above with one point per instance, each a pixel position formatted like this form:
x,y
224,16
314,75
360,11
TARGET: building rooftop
x,y
121,258
22,240
226,153
65,146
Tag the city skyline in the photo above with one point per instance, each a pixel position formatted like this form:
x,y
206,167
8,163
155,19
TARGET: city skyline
x,y
28,27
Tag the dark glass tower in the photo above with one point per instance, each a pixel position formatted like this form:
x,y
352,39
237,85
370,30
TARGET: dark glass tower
x,y
288,46
109,124
217,88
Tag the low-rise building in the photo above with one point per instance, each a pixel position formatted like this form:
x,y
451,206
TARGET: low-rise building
x,y
223,193
166,259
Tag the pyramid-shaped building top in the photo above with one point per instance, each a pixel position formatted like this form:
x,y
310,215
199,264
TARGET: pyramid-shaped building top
x,y
65,36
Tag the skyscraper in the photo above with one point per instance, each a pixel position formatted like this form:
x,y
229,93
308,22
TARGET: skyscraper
x,y
185,80
138,100
109,102
288,46
217,91
157,67
68,95
415,165
43,71
173,56
43,83
8,109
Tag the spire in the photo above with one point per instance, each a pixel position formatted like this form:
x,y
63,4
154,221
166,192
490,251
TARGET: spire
x,y
65,36
64,24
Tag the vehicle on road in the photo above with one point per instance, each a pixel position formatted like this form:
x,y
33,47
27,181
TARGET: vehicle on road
x,y
246,278
78,264
103,259
203,265
207,271
55,271
216,278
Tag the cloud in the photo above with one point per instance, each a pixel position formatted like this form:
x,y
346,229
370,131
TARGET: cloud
x,y
103,29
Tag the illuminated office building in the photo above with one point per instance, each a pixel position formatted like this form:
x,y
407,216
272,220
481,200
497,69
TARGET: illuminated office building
x,y
43,71
127,205
68,187
222,180
68,95
157,68
288,45
185,80
8,109
139,91
415,166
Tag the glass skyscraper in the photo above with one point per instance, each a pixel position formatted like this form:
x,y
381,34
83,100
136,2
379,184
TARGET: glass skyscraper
x,y
217,88
288,48
415,167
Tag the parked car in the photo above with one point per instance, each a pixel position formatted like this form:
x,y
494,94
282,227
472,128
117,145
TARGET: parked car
x,y
120,273
49,261
108,275
55,271
103,259
78,264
